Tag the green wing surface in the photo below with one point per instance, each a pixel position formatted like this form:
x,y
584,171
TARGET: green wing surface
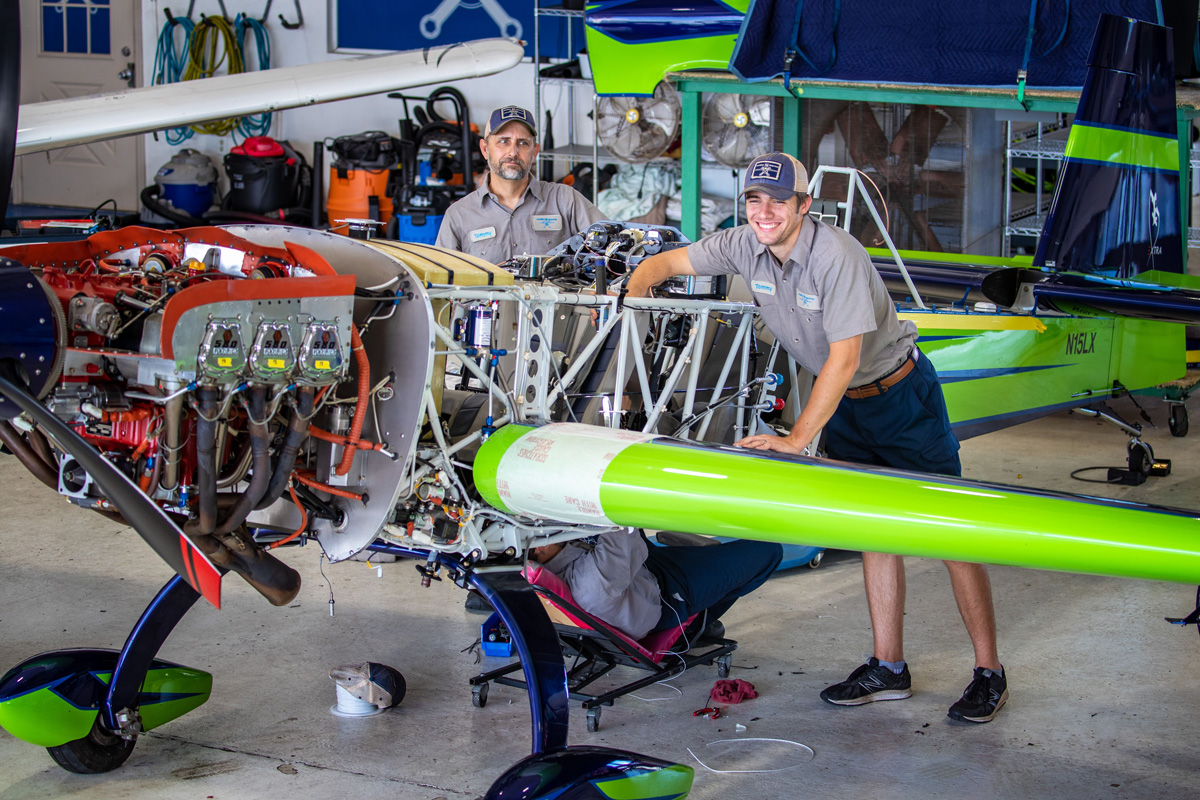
x,y
664,483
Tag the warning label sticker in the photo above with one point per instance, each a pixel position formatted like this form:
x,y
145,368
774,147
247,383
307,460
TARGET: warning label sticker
x,y
557,471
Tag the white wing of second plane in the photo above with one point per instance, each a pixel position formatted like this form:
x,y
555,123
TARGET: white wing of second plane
x,y
61,123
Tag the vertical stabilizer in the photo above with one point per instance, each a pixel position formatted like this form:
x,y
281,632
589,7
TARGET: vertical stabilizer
x,y
1116,210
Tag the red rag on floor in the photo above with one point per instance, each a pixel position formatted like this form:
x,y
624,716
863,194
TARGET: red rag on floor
x,y
734,691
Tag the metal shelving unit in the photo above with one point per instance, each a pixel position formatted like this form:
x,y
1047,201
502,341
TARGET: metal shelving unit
x,y
1026,219
572,152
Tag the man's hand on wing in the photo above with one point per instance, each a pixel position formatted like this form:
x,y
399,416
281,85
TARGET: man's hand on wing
x,y
780,444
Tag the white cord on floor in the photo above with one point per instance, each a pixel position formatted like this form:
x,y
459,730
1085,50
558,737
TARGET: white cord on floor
x,y
811,753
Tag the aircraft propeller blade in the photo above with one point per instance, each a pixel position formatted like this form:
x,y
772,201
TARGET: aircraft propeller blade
x,y
150,521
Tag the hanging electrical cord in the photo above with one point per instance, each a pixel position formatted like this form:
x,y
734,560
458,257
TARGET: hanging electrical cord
x,y
169,63
213,42
254,124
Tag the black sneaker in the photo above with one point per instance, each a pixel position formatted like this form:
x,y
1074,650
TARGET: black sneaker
x,y
476,602
869,683
982,699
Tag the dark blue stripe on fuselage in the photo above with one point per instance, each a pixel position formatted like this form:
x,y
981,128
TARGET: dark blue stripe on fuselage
x,y
958,375
1173,173
969,428
924,339
648,21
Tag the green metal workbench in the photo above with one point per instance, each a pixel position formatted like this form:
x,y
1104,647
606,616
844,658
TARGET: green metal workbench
x,y
692,84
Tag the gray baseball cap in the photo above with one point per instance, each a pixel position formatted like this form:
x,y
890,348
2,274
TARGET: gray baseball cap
x,y
777,174
506,114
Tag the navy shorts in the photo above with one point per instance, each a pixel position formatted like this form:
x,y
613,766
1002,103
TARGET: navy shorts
x,y
906,427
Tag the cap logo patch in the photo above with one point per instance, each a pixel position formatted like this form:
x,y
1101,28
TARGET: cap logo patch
x,y
512,112
765,170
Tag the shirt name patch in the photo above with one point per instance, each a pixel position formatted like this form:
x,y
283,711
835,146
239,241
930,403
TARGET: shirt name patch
x,y
483,233
809,302
547,222
763,287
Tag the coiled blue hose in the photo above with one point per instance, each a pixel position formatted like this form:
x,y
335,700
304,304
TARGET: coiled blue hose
x,y
169,62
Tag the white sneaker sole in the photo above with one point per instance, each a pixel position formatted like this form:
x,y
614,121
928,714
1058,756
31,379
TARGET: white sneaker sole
x,y
886,694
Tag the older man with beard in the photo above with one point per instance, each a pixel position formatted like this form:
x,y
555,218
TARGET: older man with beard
x,y
513,213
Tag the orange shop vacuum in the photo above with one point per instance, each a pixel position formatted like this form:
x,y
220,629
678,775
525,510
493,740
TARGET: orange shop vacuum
x,y
358,179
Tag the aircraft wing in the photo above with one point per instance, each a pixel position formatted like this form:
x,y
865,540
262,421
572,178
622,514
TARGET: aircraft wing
x,y
587,474
61,123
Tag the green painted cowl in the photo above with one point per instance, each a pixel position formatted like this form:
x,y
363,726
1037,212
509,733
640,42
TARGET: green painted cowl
x,y
54,698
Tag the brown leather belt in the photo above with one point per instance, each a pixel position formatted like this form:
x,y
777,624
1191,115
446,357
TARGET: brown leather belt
x,y
883,384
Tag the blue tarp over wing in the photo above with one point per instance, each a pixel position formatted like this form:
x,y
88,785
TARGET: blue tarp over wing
x,y
924,41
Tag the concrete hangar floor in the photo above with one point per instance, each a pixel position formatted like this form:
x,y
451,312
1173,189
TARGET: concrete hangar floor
x,y
1103,700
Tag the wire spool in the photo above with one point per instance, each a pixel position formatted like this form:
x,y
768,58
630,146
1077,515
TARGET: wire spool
x,y
348,705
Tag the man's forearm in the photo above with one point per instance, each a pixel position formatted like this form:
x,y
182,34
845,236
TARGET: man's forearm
x,y
656,269
829,387
645,277
826,394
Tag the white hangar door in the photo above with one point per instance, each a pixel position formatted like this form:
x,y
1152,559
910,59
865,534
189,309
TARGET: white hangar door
x,y
71,48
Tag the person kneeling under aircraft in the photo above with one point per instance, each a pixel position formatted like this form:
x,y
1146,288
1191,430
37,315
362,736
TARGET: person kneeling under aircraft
x,y
639,588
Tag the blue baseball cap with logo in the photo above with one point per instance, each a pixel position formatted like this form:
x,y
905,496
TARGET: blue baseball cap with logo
x,y
777,174
506,114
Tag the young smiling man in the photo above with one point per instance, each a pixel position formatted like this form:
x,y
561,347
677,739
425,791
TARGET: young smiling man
x,y
877,398
513,213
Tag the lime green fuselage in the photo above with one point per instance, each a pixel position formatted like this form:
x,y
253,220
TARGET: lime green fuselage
x,y
999,370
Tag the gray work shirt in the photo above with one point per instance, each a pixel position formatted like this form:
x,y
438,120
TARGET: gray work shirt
x,y
611,581
826,291
547,215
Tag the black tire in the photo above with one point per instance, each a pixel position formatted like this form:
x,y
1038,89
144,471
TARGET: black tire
x,y
1177,422
479,695
593,719
97,752
723,665
1140,458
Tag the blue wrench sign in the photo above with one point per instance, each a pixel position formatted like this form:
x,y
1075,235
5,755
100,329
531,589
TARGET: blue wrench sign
x,y
431,24
413,24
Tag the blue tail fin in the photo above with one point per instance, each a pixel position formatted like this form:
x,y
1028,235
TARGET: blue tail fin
x,y
1116,209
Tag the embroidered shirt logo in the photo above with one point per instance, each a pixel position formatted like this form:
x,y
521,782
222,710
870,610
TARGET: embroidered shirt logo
x,y
809,302
763,287
547,222
483,233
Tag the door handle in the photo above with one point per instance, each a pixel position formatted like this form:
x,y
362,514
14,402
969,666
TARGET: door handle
x,y
128,74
